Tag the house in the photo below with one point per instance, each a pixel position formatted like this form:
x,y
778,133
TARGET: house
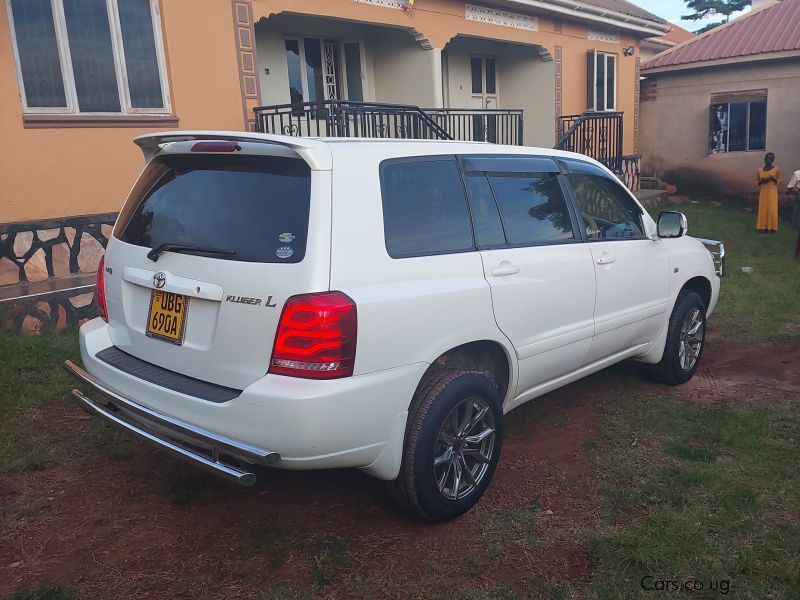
x,y
79,80
713,105
656,45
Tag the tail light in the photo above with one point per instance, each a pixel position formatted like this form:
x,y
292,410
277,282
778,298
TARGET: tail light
x,y
100,289
316,337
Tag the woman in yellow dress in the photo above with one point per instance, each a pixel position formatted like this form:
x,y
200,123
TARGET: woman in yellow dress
x,y
767,181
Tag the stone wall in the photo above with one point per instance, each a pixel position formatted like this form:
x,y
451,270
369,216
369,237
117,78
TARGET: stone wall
x,y
59,251
56,248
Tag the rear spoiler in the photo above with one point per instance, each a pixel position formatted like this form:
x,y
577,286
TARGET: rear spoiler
x,y
315,152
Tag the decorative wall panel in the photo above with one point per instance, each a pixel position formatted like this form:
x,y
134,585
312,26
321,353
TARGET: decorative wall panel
x,y
504,18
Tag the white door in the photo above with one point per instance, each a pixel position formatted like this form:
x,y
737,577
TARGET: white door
x,y
633,272
541,277
632,294
484,97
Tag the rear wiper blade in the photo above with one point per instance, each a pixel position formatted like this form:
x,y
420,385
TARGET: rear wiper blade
x,y
158,251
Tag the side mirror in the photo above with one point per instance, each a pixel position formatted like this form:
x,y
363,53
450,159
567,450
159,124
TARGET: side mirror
x,y
672,224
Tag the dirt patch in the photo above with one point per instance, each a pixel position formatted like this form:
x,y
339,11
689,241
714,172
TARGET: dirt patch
x,y
147,526
746,371
134,523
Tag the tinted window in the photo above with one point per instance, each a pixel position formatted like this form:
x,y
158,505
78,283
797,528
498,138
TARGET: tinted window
x,y
533,208
313,53
758,126
491,84
237,203
606,209
38,53
352,65
737,135
294,69
477,75
141,60
92,57
488,228
424,209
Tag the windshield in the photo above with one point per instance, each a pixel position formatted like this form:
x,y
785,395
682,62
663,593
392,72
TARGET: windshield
x,y
254,207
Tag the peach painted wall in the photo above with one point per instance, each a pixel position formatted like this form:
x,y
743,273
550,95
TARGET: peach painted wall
x,y
439,21
55,172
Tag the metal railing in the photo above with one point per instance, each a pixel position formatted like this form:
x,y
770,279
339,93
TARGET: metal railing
x,y
630,173
499,126
595,134
343,118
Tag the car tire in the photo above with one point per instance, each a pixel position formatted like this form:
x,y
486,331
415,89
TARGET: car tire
x,y
685,341
449,459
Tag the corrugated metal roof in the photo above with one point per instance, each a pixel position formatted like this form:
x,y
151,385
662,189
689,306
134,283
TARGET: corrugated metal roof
x,y
774,28
626,8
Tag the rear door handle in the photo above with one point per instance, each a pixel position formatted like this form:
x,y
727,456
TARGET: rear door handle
x,y
606,260
504,269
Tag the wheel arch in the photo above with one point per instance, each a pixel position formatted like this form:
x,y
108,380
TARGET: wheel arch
x,y
702,286
484,356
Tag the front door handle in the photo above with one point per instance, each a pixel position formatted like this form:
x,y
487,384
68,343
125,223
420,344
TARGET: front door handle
x,y
504,269
606,260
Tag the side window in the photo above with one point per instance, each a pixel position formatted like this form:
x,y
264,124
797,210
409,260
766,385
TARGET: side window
x,y
488,228
606,209
533,208
424,209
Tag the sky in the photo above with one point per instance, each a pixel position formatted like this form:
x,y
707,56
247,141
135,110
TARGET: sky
x,y
671,10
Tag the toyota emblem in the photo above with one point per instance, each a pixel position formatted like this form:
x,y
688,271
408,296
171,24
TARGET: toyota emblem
x,y
160,279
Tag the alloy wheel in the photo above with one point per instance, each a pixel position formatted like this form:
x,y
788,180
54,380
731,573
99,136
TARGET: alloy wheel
x,y
691,339
464,448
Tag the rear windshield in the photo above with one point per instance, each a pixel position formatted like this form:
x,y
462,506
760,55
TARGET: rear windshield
x,y
254,208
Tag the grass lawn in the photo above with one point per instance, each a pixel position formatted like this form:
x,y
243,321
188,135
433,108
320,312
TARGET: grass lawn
x,y
695,491
764,304
30,377
693,486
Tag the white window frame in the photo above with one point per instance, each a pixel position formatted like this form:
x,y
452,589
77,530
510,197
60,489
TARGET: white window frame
x,y
341,81
65,61
604,56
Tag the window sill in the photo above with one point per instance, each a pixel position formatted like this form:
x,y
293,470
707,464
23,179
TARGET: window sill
x,y
33,121
735,152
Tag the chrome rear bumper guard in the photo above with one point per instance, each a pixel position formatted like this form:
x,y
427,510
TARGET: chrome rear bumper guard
x,y
177,437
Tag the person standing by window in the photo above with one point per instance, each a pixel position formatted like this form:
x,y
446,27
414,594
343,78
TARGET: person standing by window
x,y
768,179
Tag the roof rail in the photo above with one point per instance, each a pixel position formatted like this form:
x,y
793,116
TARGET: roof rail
x,y
315,152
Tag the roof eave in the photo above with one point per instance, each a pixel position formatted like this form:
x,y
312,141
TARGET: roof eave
x,y
659,41
720,62
596,14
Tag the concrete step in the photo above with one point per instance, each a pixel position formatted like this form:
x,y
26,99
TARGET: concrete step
x,y
47,306
75,284
650,198
648,183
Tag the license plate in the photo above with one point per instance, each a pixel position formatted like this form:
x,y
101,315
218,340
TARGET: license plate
x,y
166,319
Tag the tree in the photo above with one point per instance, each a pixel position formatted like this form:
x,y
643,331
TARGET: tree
x,y
703,9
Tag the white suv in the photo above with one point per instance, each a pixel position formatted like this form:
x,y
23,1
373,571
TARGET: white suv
x,y
380,304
